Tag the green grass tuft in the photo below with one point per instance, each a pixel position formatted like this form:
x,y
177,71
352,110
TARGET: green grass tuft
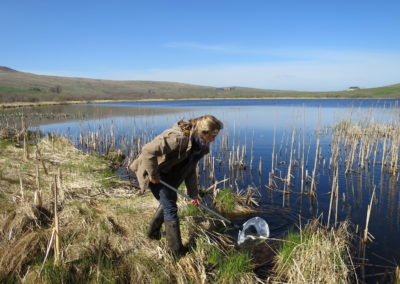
x,y
234,265
191,210
214,256
225,200
230,266
292,240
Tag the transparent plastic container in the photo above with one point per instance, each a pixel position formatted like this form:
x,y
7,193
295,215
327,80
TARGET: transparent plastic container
x,y
253,228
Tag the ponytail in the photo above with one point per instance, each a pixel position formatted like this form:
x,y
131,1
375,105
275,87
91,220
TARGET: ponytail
x,y
203,124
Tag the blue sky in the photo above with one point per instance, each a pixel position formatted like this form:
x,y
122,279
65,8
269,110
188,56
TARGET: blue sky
x,y
298,45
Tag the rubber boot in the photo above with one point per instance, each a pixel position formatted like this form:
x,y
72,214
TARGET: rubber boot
x,y
174,237
154,230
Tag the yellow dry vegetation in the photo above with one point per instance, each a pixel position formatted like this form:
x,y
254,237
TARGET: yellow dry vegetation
x,y
102,223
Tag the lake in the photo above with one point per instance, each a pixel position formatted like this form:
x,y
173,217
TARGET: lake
x,y
254,129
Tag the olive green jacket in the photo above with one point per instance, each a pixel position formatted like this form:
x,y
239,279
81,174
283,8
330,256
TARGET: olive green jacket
x,y
168,153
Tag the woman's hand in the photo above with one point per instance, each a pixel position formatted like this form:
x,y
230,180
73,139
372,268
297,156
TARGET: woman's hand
x,y
195,202
154,180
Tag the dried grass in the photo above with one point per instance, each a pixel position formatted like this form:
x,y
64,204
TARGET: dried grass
x,y
315,255
17,255
102,226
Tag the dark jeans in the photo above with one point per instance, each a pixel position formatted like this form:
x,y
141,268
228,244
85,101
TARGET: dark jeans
x,y
167,199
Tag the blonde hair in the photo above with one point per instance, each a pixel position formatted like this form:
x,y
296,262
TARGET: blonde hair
x,y
204,124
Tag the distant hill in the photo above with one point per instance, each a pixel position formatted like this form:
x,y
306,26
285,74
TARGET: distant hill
x,y
18,86
6,69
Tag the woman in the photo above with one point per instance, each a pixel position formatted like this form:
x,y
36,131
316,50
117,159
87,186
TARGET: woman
x,y
172,157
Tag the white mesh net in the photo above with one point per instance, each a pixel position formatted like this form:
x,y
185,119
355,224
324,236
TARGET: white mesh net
x,y
253,228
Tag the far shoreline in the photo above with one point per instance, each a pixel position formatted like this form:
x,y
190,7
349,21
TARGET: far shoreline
x,y
49,103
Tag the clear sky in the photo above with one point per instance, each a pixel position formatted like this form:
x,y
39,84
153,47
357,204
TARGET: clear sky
x,y
316,45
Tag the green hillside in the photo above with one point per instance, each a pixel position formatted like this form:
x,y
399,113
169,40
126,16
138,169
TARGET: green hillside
x,y
18,86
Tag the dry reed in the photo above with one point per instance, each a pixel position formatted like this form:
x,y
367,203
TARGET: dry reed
x,y
315,255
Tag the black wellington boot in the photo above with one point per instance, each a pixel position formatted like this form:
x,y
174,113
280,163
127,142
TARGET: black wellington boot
x,y
174,237
154,229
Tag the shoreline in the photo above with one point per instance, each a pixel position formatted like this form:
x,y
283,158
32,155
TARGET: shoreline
x,y
49,103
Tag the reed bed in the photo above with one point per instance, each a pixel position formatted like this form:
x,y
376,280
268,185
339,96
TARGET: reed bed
x,y
296,160
368,145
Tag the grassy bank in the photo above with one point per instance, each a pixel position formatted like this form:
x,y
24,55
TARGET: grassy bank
x,y
17,87
102,222
66,217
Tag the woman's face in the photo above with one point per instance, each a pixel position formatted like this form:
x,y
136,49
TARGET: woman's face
x,y
210,136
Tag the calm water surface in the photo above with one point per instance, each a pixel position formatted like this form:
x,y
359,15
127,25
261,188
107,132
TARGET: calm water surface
x,y
255,124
